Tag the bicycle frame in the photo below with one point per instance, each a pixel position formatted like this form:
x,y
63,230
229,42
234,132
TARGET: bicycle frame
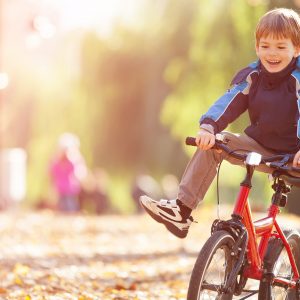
x,y
263,229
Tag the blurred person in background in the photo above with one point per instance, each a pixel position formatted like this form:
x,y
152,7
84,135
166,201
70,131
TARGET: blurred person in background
x,y
67,170
94,194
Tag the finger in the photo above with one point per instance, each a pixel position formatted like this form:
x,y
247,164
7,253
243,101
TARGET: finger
x,y
198,138
199,141
296,160
204,142
295,164
211,142
208,143
201,138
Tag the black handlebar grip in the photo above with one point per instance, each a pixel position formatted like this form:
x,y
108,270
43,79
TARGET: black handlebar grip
x,y
191,141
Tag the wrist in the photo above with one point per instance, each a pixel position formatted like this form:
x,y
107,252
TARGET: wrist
x,y
207,127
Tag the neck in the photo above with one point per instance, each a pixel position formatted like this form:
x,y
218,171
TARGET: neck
x,y
271,80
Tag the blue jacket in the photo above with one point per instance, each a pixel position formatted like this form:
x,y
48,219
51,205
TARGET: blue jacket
x,y
273,104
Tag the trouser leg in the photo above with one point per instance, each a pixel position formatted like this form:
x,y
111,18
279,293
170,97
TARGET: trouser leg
x,y
202,168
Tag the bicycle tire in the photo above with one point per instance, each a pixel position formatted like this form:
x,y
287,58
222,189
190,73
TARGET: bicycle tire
x,y
276,261
220,241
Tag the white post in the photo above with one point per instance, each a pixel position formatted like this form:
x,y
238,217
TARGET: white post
x,y
12,176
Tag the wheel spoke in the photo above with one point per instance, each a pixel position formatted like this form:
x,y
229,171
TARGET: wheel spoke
x,y
282,269
277,262
211,287
215,276
211,269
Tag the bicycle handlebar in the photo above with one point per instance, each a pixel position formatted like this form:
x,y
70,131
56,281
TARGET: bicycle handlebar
x,y
276,161
191,141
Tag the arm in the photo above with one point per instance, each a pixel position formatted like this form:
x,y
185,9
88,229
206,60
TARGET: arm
x,y
225,110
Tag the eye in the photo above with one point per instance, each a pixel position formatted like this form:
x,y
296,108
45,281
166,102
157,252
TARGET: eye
x,y
264,46
281,47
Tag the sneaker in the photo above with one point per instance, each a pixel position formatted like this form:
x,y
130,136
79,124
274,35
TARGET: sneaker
x,y
172,213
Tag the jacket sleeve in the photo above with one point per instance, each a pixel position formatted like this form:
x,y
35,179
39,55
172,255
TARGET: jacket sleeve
x,y
231,105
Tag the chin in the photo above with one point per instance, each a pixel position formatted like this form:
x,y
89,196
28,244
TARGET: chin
x,y
274,69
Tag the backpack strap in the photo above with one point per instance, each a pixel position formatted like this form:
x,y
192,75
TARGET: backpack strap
x,y
296,75
242,74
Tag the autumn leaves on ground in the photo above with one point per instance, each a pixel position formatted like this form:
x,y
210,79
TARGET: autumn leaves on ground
x,y
50,256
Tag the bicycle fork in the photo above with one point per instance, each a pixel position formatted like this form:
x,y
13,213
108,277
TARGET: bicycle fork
x,y
240,235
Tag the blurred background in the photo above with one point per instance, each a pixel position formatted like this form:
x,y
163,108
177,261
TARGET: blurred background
x,y
128,78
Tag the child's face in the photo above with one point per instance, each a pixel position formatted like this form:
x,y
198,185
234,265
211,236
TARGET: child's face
x,y
275,54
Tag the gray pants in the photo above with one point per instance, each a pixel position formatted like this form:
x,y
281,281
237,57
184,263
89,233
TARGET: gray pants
x,y
202,168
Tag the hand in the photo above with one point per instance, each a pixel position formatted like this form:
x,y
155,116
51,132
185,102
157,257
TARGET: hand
x,y
296,161
205,140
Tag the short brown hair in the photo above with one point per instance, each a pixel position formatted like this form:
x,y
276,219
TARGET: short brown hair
x,y
280,23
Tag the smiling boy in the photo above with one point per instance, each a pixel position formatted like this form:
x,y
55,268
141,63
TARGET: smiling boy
x,y
275,54
269,89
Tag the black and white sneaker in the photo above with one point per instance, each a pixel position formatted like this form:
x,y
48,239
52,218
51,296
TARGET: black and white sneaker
x,y
172,213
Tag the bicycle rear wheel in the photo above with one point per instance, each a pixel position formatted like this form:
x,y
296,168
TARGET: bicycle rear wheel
x,y
212,268
276,261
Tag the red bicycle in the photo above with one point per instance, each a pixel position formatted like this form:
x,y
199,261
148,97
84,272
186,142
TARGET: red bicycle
x,y
240,248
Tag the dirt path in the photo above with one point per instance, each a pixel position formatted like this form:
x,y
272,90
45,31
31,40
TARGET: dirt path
x,y
49,256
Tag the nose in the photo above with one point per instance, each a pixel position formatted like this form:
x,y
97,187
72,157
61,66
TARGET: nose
x,y
273,51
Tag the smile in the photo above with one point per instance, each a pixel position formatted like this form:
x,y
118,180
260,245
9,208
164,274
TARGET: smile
x,y
273,62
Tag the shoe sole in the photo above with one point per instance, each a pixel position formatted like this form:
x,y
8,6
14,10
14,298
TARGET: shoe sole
x,y
172,228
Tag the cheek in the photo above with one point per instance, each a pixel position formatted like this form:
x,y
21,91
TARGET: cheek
x,y
292,54
258,53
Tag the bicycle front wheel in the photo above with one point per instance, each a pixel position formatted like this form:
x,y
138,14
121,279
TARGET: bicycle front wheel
x,y
212,268
276,261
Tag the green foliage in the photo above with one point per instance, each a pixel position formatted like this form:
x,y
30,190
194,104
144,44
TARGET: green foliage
x,y
120,194
222,42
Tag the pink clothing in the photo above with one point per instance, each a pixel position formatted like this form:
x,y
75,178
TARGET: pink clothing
x,y
64,177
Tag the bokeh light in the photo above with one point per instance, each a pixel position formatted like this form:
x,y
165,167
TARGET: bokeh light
x,y
4,80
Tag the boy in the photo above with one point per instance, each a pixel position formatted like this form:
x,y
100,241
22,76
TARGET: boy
x,y
270,90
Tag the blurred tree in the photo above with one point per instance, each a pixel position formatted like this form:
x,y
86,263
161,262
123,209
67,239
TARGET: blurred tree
x,y
124,77
294,4
222,43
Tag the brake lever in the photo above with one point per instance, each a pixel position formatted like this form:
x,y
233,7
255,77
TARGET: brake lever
x,y
279,164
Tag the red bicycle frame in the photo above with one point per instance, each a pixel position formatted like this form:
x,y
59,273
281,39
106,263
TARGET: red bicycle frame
x,y
263,228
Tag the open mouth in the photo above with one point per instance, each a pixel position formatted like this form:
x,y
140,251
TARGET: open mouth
x,y
273,62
